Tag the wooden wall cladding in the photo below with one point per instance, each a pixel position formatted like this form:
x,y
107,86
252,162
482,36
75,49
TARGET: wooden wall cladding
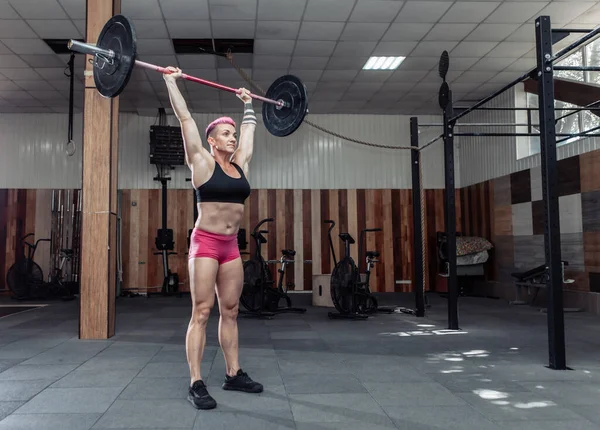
x,y
299,216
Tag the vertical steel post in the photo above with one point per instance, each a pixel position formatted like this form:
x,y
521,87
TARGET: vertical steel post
x,y
450,209
417,228
556,323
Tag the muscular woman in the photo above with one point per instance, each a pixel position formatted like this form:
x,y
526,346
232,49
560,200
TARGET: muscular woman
x,y
219,180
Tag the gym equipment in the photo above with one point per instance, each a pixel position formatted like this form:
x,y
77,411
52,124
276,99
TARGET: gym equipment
x,y
115,55
259,297
351,296
25,278
536,278
164,243
370,257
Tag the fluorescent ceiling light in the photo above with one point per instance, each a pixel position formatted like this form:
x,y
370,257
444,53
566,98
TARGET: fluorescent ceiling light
x,y
383,63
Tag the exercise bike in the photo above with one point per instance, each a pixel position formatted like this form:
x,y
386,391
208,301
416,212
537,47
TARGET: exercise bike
x,y
25,277
259,297
351,296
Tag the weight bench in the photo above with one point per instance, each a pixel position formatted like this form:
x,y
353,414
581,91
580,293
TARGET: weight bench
x,y
535,278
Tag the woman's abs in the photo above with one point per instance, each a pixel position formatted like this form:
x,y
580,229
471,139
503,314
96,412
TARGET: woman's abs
x,y
221,218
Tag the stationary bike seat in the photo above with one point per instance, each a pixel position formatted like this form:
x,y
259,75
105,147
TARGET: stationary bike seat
x,y
372,254
288,252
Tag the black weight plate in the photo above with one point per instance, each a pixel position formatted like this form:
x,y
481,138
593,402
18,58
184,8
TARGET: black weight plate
x,y
118,35
284,121
444,65
444,95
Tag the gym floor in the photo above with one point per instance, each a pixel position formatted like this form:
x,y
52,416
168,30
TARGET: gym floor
x,y
392,371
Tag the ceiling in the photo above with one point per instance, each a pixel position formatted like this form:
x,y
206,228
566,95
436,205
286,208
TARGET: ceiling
x,y
324,42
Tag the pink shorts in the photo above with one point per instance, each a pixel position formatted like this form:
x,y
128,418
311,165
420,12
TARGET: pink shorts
x,y
221,247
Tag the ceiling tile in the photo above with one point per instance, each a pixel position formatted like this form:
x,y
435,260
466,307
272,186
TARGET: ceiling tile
x,y
562,12
419,63
307,75
431,49
284,10
21,74
330,10
74,8
450,31
400,49
32,85
397,87
314,49
343,63
469,11
35,9
46,95
309,63
311,30
81,25
14,28
268,75
9,86
4,49
424,86
182,9
591,16
504,77
27,46
339,75
374,75
150,29
271,61
10,61
492,32
273,47
423,11
144,9
472,49
462,63
347,49
189,61
517,12
15,95
473,77
155,46
38,61
189,29
363,31
6,11
240,60
521,65
232,9
233,29
495,64
407,32
407,76
525,33
375,10
277,29
58,29
510,49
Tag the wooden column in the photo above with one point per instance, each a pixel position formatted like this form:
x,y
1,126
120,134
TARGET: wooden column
x,y
99,199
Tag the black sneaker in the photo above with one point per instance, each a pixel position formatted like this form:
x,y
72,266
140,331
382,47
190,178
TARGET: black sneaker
x,y
242,382
199,397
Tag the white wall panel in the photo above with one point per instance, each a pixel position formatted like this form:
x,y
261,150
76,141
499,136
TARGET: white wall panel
x,y
32,151
485,158
32,148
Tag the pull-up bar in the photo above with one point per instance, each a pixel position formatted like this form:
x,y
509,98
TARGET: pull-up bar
x,y
531,74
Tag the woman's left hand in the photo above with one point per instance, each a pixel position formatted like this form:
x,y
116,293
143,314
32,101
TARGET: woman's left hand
x,y
244,95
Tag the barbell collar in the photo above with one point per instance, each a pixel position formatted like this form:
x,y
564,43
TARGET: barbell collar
x,y
86,48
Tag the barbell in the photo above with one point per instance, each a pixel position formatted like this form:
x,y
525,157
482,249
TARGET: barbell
x,y
115,52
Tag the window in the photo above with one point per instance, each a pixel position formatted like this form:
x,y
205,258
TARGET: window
x,y
568,121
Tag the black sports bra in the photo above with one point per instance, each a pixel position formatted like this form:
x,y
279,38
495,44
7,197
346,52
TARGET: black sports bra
x,y
223,188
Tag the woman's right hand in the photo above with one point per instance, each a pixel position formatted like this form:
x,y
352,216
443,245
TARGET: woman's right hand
x,y
174,75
